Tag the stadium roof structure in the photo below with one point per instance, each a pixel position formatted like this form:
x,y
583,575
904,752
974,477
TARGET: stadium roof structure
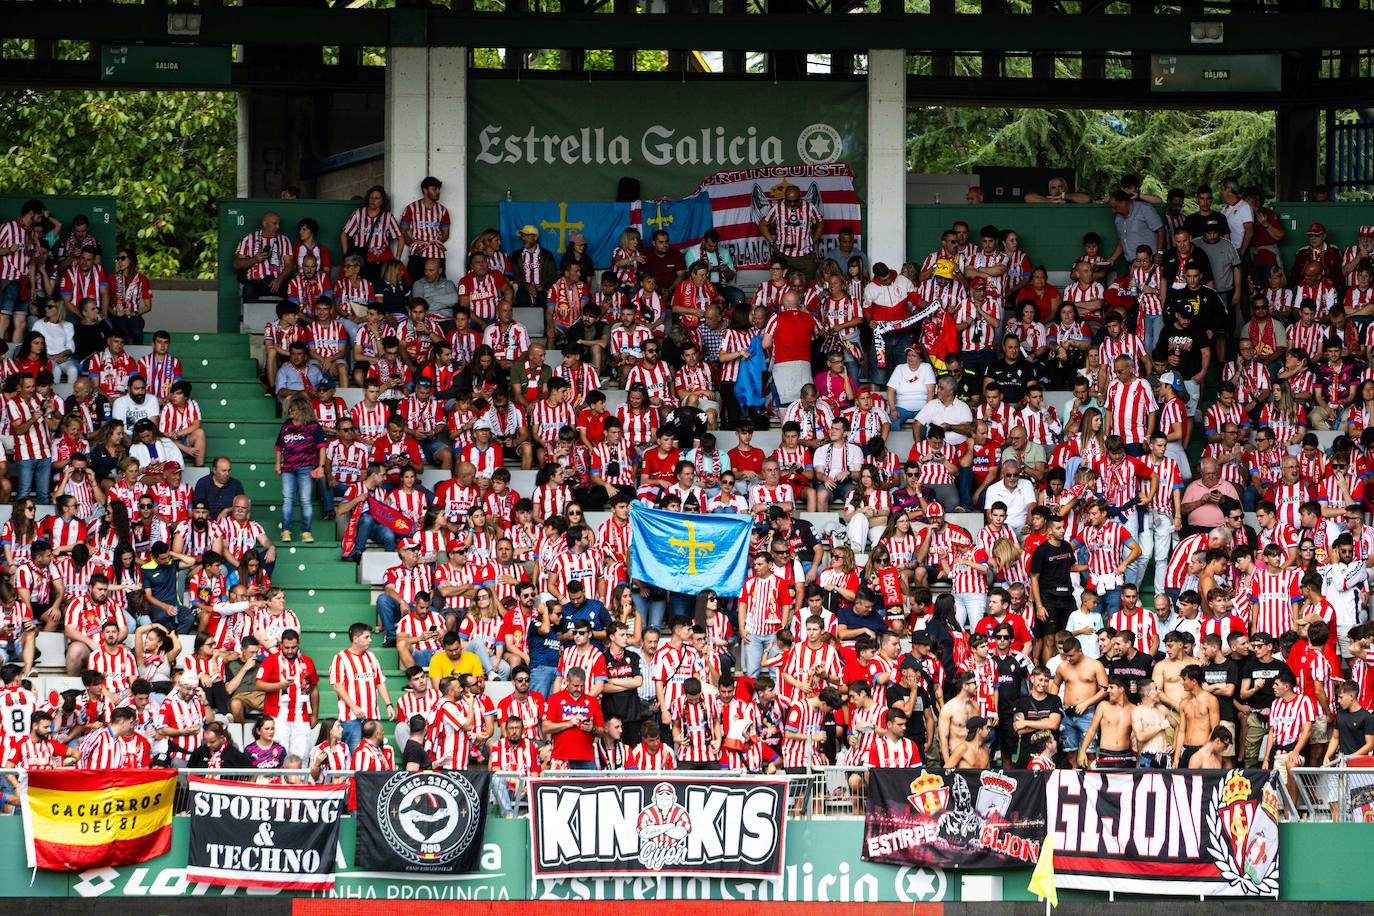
x,y
960,51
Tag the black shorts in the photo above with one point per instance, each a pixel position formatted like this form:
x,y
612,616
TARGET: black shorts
x,y
1058,619
1116,760
1188,751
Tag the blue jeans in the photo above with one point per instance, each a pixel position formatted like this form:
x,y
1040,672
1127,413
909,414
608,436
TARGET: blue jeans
x,y
295,490
653,610
542,678
1153,325
388,610
352,733
1111,602
894,353
1073,728
581,764
35,479
369,530
330,495
755,651
505,799
9,296
904,416
185,621
421,657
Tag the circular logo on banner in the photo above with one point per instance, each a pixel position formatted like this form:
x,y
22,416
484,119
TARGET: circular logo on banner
x,y
428,818
819,144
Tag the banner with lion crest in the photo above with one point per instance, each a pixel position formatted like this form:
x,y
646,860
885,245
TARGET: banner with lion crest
x,y
1183,832
1187,832
954,818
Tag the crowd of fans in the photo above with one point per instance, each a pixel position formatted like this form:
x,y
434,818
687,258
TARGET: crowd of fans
x,y
1112,604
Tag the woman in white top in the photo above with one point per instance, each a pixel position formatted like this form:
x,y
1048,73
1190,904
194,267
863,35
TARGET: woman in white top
x,y
910,387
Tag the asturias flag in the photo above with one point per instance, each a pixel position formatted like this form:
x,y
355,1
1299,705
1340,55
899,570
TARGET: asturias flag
x,y
75,820
685,221
558,219
688,553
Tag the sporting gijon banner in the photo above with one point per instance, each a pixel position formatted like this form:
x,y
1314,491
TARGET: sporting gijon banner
x,y
740,199
954,818
570,140
264,836
671,825
1184,832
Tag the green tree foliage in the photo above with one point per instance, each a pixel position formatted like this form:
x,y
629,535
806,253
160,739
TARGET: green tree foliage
x,y
167,156
1166,148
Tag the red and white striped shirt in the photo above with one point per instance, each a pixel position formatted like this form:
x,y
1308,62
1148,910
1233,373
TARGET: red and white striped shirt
x,y
103,750
278,249
292,702
884,751
641,758
358,677
425,222
801,718
412,627
1170,479
1106,547
450,735
407,581
368,758
118,665
35,442
78,284
793,225
1142,622
178,713
1287,717
672,666
15,265
484,294
657,379
625,338
1273,595
763,601
699,723
522,758
513,342
547,419
1130,405
176,417
375,233
638,426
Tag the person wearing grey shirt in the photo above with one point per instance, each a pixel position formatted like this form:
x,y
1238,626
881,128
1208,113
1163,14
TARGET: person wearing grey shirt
x,y
1225,263
1137,224
438,291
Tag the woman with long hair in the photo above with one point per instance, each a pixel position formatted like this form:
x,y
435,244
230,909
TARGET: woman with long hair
x,y
392,290
372,232
1068,341
840,581
263,751
31,356
479,535
19,533
158,649
483,375
628,260
867,507
623,612
483,626
1286,417
1034,336
109,447
251,575
126,587
331,754
950,635
1360,413
299,460
131,296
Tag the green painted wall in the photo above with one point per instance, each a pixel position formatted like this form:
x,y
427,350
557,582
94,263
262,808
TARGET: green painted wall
x,y
63,207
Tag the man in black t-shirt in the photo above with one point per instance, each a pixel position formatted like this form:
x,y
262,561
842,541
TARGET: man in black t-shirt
x,y
1221,678
1038,710
1136,667
1353,736
1257,692
620,696
1051,588
914,692
1181,347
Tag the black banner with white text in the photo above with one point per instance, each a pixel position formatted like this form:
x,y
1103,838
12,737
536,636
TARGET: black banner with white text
x,y
954,818
277,836
421,822
1188,832
673,825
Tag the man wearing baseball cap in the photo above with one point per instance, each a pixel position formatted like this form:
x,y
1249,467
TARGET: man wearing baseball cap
x,y
425,228
1319,250
535,269
1362,250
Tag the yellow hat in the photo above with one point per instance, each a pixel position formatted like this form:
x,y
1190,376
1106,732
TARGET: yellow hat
x,y
528,229
944,269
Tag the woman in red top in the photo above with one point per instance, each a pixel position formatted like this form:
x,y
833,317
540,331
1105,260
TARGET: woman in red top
x,y
1040,291
131,297
32,356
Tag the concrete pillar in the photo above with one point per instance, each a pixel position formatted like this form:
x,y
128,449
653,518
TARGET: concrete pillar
x,y
407,124
426,130
885,222
244,159
448,141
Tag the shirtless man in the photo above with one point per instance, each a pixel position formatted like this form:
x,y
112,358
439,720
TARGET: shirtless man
x,y
1082,682
1112,721
1213,754
1198,715
973,753
1150,724
1168,672
956,713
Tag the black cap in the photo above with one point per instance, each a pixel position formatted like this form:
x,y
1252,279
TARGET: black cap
x,y
975,723
1212,223
1260,638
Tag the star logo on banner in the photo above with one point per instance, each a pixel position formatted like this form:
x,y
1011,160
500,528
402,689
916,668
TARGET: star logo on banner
x,y
819,144
920,885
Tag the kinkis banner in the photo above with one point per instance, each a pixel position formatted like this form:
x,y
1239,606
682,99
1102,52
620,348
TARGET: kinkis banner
x,y
1186,832
264,836
954,818
675,825
421,822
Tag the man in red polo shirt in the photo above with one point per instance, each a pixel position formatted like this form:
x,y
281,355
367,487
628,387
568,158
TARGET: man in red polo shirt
x,y
789,335
573,721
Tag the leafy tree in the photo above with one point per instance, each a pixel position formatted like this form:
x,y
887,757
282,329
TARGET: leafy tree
x,y
167,156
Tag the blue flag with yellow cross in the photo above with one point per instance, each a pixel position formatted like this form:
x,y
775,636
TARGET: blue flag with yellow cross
x,y
688,553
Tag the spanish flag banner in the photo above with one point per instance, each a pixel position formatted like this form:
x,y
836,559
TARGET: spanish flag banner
x,y
80,819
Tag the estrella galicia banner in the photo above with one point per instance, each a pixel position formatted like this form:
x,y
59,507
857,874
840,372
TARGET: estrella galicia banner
x,y
954,818
1185,832
421,822
723,827
576,140
281,837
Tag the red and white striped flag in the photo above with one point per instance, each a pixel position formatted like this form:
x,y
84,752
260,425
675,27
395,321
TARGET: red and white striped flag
x,y
740,197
